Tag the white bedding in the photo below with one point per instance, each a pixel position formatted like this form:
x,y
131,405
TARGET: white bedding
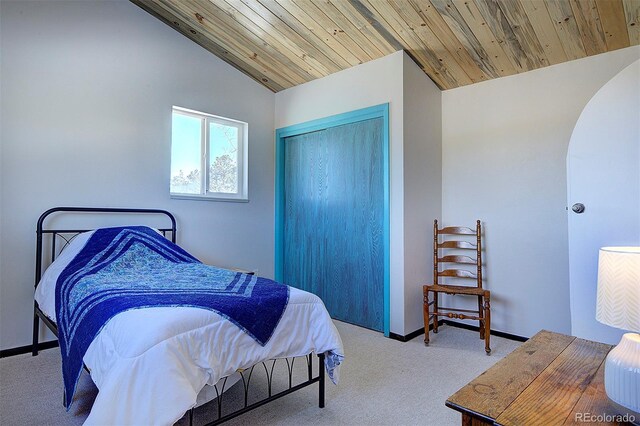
x,y
150,364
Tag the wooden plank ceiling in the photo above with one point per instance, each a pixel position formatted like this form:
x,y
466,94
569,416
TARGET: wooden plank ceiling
x,y
283,43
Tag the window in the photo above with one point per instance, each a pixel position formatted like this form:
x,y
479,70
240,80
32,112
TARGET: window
x,y
208,156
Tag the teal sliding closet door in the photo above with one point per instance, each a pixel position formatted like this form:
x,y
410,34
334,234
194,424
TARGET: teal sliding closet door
x,y
333,234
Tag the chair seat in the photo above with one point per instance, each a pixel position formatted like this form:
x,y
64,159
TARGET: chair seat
x,y
459,289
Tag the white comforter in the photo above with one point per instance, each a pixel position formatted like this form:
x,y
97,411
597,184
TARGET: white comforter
x,y
150,364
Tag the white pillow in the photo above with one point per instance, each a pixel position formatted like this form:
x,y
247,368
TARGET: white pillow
x,y
46,289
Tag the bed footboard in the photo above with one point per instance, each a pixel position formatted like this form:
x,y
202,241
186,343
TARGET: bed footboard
x,y
269,371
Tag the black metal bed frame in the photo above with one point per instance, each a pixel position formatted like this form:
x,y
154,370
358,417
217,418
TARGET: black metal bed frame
x,y
67,235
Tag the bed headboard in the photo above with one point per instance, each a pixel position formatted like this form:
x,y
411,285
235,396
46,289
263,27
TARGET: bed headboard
x,y
66,234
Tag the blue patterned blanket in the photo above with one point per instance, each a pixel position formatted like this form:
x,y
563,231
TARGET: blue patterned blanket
x,y
135,267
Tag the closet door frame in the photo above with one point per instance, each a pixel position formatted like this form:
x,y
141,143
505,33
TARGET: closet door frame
x,y
377,111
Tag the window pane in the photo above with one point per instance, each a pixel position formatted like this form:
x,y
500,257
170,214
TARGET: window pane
x,y
223,158
186,154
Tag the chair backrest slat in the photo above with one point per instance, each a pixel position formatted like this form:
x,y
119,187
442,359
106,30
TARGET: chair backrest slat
x,y
458,245
457,273
457,259
457,230
440,246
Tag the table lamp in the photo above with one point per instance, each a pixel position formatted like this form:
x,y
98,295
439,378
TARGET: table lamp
x,y
618,305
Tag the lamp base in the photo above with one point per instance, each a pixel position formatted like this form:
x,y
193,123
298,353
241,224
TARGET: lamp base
x,y
622,376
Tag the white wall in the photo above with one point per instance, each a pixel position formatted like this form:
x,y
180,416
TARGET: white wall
x,y
422,185
87,90
504,161
603,167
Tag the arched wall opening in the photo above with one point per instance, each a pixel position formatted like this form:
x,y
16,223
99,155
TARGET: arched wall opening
x,y
603,173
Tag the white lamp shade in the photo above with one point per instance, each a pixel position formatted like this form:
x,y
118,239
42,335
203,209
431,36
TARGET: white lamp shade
x,y
618,303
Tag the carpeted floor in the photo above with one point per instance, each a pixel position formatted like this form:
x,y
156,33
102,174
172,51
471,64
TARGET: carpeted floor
x,y
383,382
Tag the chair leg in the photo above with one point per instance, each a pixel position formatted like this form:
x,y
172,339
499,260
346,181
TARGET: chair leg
x,y
36,333
481,315
435,312
487,322
425,312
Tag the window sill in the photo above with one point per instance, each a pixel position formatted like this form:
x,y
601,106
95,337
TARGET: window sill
x,y
208,198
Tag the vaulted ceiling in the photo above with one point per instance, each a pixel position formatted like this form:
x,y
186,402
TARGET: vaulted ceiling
x,y
283,43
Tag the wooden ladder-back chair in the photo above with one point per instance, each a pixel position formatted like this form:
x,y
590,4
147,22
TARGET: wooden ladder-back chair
x,y
441,247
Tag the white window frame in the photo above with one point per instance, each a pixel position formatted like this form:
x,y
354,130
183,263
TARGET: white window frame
x,y
243,158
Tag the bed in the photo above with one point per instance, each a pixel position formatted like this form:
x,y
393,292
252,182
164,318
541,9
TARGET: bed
x,y
156,363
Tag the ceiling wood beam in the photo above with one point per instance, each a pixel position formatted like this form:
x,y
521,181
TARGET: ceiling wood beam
x,y
263,30
298,19
466,21
335,23
503,32
566,28
519,23
459,69
394,39
545,31
386,16
284,43
586,14
214,21
477,67
169,17
269,22
236,47
365,26
613,23
632,17
288,19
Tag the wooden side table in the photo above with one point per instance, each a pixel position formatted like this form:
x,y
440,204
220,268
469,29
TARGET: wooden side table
x,y
551,379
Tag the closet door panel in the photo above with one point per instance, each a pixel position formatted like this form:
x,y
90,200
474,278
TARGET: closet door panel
x,y
305,248
333,225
